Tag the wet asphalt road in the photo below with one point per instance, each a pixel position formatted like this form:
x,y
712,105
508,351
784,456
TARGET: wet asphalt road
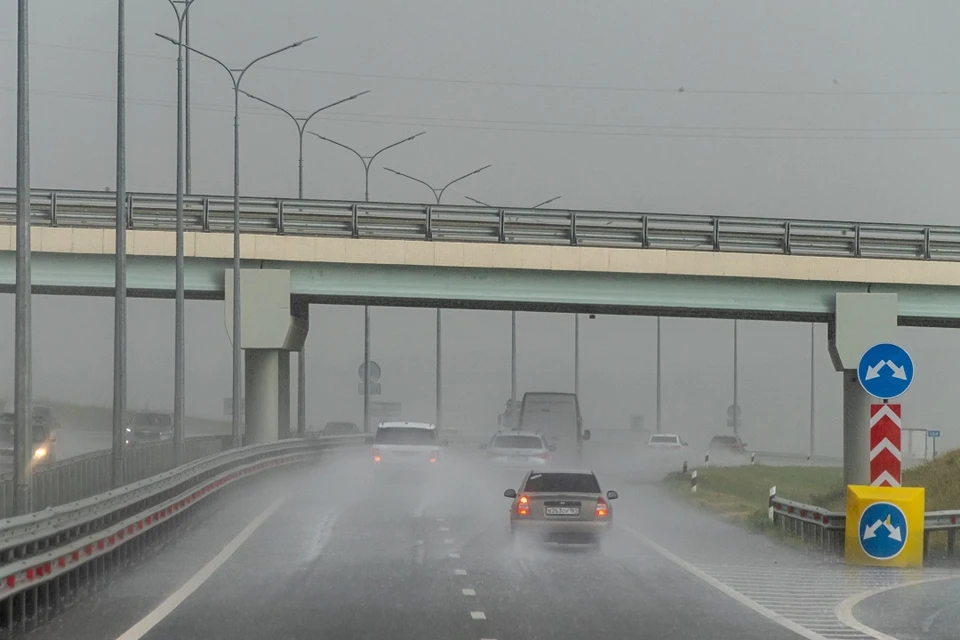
x,y
342,556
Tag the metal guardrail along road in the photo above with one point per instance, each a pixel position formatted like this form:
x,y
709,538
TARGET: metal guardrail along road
x,y
485,224
49,558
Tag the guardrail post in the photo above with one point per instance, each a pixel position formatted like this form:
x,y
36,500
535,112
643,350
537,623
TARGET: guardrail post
x,y
573,228
786,238
951,541
684,467
753,459
429,230
280,217
716,234
501,232
856,241
53,208
355,222
926,243
129,211
205,216
693,481
645,232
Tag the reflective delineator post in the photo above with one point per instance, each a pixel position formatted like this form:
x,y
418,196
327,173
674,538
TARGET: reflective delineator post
x,y
693,481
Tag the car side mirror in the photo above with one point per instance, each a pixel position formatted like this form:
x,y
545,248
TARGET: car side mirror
x,y
552,447
368,440
586,434
509,493
483,446
612,495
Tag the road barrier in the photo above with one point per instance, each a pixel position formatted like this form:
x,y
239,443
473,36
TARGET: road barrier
x,y
49,558
89,474
826,528
497,225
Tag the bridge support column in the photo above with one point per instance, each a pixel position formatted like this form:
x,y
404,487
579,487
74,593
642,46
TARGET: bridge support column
x,y
283,384
860,321
272,328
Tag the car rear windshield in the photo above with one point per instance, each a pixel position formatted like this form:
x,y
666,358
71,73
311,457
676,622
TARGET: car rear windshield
x,y
664,439
151,420
517,442
406,435
562,482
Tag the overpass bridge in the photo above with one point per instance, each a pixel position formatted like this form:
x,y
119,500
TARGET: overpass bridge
x,y
480,257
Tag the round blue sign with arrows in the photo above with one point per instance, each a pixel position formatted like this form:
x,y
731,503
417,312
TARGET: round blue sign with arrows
x,y
883,530
885,371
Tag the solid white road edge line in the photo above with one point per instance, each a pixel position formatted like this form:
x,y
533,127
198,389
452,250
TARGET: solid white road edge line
x,y
723,588
844,610
173,601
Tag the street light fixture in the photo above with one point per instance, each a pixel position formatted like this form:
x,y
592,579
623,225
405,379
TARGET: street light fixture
x,y
236,77
367,161
301,124
438,194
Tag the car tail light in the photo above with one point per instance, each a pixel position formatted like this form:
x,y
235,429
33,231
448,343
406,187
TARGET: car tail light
x,y
434,455
602,508
523,506
376,455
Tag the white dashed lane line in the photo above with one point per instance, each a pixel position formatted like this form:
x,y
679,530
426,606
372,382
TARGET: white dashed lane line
x,y
444,529
455,556
459,572
448,541
469,592
478,615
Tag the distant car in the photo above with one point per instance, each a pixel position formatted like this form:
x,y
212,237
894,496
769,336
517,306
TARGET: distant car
x,y
518,449
561,506
44,441
341,429
666,442
406,445
144,427
727,444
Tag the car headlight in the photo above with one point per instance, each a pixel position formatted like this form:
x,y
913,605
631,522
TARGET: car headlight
x,y
40,453
129,430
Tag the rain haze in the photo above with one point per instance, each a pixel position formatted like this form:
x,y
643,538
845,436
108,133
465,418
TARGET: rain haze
x,y
820,110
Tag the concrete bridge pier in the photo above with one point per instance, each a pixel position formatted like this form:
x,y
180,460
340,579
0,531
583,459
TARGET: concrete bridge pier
x,y
271,327
860,321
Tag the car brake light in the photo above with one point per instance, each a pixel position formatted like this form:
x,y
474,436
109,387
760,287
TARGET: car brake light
x,y
376,455
602,508
434,455
523,506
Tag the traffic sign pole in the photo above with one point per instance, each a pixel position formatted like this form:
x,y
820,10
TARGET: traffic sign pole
x,y
885,445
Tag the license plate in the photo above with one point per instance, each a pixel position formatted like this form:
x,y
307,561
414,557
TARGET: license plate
x,y
563,511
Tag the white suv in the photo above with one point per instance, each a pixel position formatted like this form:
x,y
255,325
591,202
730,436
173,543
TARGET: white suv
x,y
518,449
406,445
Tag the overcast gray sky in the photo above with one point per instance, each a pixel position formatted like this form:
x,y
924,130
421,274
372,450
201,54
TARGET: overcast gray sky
x,y
842,110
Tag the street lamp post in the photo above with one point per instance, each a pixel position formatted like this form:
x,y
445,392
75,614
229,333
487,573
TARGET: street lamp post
x,y
23,375
366,161
513,312
659,389
120,264
813,397
438,194
178,338
236,77
736,405
301,125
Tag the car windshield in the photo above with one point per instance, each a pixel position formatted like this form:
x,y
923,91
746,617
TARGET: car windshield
x,y
151,420
517,442
664,439
406,435
562,483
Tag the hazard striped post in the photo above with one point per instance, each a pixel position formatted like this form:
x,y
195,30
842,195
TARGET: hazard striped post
x,y
885,441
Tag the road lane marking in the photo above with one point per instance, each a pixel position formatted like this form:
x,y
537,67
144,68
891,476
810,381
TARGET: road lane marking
x,y
460,572
468,592
844,610
478,615
441,519
448,541
175,599
723,588
455,556
444,528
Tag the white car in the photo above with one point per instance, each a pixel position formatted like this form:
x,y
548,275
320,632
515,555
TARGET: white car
x,y
666,442
406,445
518,449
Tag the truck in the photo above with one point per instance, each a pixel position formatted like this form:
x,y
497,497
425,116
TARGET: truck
x,y
557,417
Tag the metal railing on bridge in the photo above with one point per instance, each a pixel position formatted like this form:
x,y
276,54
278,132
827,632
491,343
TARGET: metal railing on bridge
x,y
89,474
496,225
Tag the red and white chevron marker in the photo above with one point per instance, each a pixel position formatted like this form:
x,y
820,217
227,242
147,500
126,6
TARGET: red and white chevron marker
x,y
885,445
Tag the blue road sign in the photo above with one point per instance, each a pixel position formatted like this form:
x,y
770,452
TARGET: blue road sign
x,y
883,530
933,433
885,371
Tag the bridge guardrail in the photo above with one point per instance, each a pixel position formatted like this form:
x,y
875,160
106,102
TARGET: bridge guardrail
x,y
46,556
334,218
89,474
827,528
